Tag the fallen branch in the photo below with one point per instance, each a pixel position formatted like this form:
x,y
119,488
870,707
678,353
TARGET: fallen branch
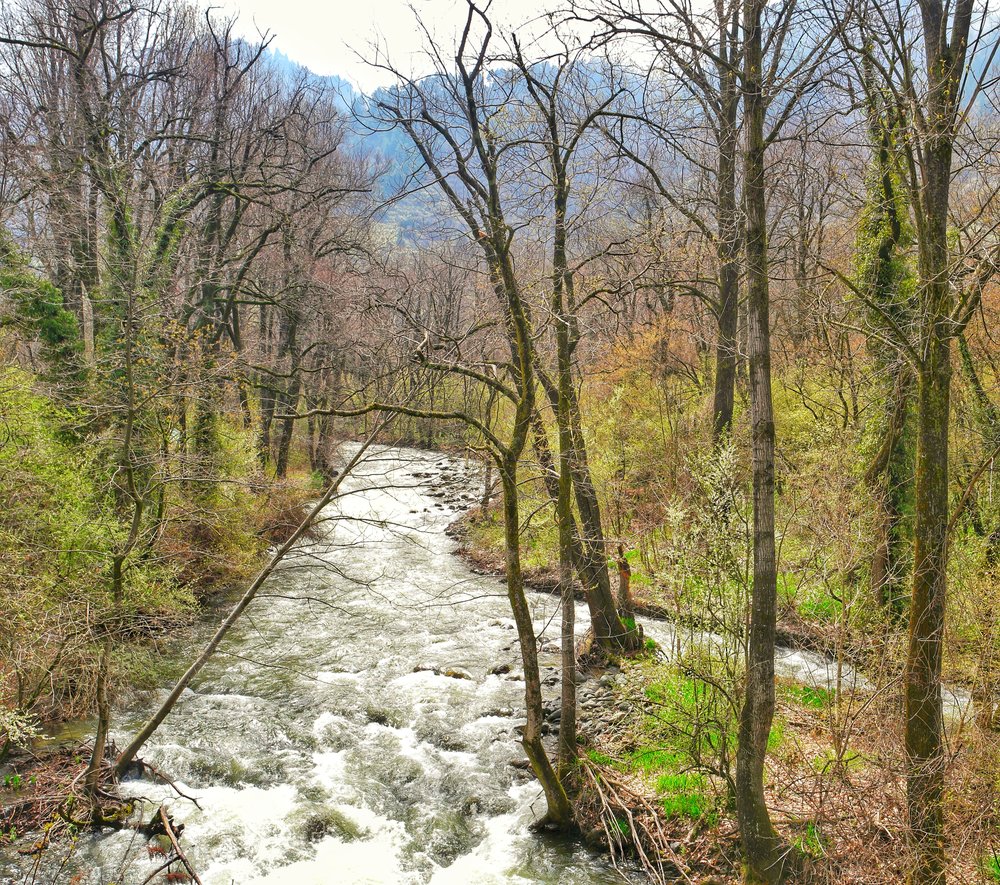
x,y
130,752
618,803
159,774
177,848
158,870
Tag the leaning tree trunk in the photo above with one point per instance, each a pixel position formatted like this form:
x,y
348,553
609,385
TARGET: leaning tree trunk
x,y
127,755
764,858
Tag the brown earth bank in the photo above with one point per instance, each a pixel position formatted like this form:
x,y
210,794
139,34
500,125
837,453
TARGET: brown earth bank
x,y
793,631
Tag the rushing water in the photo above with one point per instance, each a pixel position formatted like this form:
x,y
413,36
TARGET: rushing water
x,y
325,744
321,744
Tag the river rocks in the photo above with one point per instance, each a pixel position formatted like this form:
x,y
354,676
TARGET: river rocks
x,y
498,713
501,669
388,718
450,672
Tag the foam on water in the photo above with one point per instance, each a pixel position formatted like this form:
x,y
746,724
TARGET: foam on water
x,y
317,754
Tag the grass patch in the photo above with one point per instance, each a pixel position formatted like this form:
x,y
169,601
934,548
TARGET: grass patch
x,y
991,866
688,794
814,697
599,758
776,737
811,841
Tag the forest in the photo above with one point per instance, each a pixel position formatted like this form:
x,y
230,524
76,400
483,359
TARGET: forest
x,y
571,462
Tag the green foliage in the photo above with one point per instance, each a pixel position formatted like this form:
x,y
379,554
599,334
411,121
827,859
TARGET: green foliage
x,y
63,523
991,866
685,743
39,311
17,728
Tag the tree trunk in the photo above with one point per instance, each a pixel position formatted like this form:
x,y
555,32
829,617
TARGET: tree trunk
x,y
559,812
890,483
590,556
564,519
924,713
92,779
727,250
583,563
625,604
764,858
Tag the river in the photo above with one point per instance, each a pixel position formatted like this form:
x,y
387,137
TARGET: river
x,y
325,742
321,744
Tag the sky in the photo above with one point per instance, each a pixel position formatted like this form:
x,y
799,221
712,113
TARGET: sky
x,y
328,37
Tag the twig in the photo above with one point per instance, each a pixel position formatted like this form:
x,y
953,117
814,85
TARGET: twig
x,y
158,870
157,773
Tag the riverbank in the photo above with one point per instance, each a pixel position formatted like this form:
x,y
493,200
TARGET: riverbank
x,y
480,545
41,774
327,735
660,732
354,725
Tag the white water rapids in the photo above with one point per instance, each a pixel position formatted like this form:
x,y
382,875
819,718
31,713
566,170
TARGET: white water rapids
x,y
323,743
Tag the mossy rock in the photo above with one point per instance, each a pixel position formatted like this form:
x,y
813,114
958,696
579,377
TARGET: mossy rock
x,y
329,821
